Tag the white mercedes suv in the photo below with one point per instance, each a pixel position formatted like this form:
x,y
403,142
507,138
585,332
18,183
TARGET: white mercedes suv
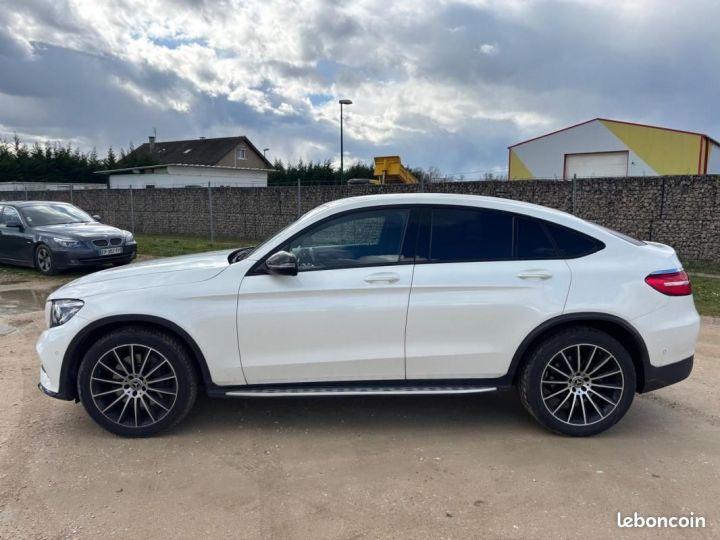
x,y
386,294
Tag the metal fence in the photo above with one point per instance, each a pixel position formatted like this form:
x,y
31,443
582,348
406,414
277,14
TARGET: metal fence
x,y
680,211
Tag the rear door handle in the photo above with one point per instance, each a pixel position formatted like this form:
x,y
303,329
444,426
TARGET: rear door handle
x,y
535,274
382,277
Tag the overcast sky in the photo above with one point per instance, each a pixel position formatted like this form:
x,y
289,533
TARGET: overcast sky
x,y
441,83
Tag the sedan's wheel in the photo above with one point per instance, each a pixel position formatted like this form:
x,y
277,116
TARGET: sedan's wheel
x,y
579,382
44,260
136,382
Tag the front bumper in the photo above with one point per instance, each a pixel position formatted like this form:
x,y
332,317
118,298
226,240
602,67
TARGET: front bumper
x,y
51,348
79,257
44,384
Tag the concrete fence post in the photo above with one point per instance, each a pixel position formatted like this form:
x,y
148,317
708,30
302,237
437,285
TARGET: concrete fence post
x,y
662,199
210,213
574,193
299,199
72,199
132,212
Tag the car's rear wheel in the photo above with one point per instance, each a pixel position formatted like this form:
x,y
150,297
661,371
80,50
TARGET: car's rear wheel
x,y
136,382
578,382
44,261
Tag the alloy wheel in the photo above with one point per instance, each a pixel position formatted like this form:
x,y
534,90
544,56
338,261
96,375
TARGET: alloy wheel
x,y
44,259
133,385
582,384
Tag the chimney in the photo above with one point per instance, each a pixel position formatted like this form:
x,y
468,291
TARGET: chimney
x,y
151,142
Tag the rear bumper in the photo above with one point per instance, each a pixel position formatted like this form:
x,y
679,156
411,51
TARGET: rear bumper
x,y
658,377
671,332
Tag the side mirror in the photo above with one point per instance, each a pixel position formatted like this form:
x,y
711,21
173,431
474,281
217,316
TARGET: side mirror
x,y
97,218
14,223
282,263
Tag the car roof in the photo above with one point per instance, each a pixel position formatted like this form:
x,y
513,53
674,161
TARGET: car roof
x,y
498,203
30,203
432,198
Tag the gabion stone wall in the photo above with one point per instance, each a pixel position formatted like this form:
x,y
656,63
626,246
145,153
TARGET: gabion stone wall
x,y
681,211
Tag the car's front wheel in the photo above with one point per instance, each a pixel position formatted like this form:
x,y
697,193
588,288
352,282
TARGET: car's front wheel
x,y
137,381
44,260
578,382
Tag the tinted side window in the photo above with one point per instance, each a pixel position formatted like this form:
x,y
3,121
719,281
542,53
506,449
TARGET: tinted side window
x,y
8,213
2,216
531,240
366,238
572,243
470,235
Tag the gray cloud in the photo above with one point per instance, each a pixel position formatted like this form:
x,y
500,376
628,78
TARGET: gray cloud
x,y
449,85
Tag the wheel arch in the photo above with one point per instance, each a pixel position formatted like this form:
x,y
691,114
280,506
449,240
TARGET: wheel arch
x,y
82,341
612,325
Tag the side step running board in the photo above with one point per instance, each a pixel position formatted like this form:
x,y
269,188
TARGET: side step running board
x,y
284,391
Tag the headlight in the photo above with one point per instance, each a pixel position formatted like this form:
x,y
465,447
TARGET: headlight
x,y
129,238
66,242
64,310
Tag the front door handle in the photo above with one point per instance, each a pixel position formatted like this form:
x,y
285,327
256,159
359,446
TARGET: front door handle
x,y
382,277
535,274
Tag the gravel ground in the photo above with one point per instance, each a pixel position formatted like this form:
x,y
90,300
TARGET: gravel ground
x,y
355,467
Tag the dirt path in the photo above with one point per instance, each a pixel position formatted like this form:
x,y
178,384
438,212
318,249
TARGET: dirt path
x,y
440,467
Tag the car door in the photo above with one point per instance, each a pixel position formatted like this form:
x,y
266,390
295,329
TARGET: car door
x,y
4,251
342,317
478,290
15,242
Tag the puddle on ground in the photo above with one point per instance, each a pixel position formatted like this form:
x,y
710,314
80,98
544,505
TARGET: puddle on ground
x,y
19,301
6,329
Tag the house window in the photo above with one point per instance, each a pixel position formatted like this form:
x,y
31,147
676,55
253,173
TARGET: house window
x,y
240,153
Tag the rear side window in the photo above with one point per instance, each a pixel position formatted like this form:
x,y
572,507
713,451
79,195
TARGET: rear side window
x,y
531,240
571,244
459,234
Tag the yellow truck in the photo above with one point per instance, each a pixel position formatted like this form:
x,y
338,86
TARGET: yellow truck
x,y
390,170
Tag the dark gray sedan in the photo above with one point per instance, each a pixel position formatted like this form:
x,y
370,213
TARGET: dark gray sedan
x,y
53,236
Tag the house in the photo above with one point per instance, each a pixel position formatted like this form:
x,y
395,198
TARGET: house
x,y
224,161
611,148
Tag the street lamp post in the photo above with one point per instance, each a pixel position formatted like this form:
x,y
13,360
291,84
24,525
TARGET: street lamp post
x,y
342,154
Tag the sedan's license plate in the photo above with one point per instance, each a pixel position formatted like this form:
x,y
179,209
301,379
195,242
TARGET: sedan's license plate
x,y
111,251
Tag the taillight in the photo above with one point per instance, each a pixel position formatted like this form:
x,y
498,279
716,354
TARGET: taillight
x,y
671,283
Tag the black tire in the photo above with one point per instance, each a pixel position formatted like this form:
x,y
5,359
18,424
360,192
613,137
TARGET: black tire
x,y
574,396
142,397
44,260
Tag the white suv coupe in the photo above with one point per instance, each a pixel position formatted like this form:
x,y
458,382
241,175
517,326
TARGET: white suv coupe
x,y
388,294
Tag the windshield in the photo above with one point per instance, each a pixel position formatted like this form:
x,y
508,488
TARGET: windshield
x,y
38,215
